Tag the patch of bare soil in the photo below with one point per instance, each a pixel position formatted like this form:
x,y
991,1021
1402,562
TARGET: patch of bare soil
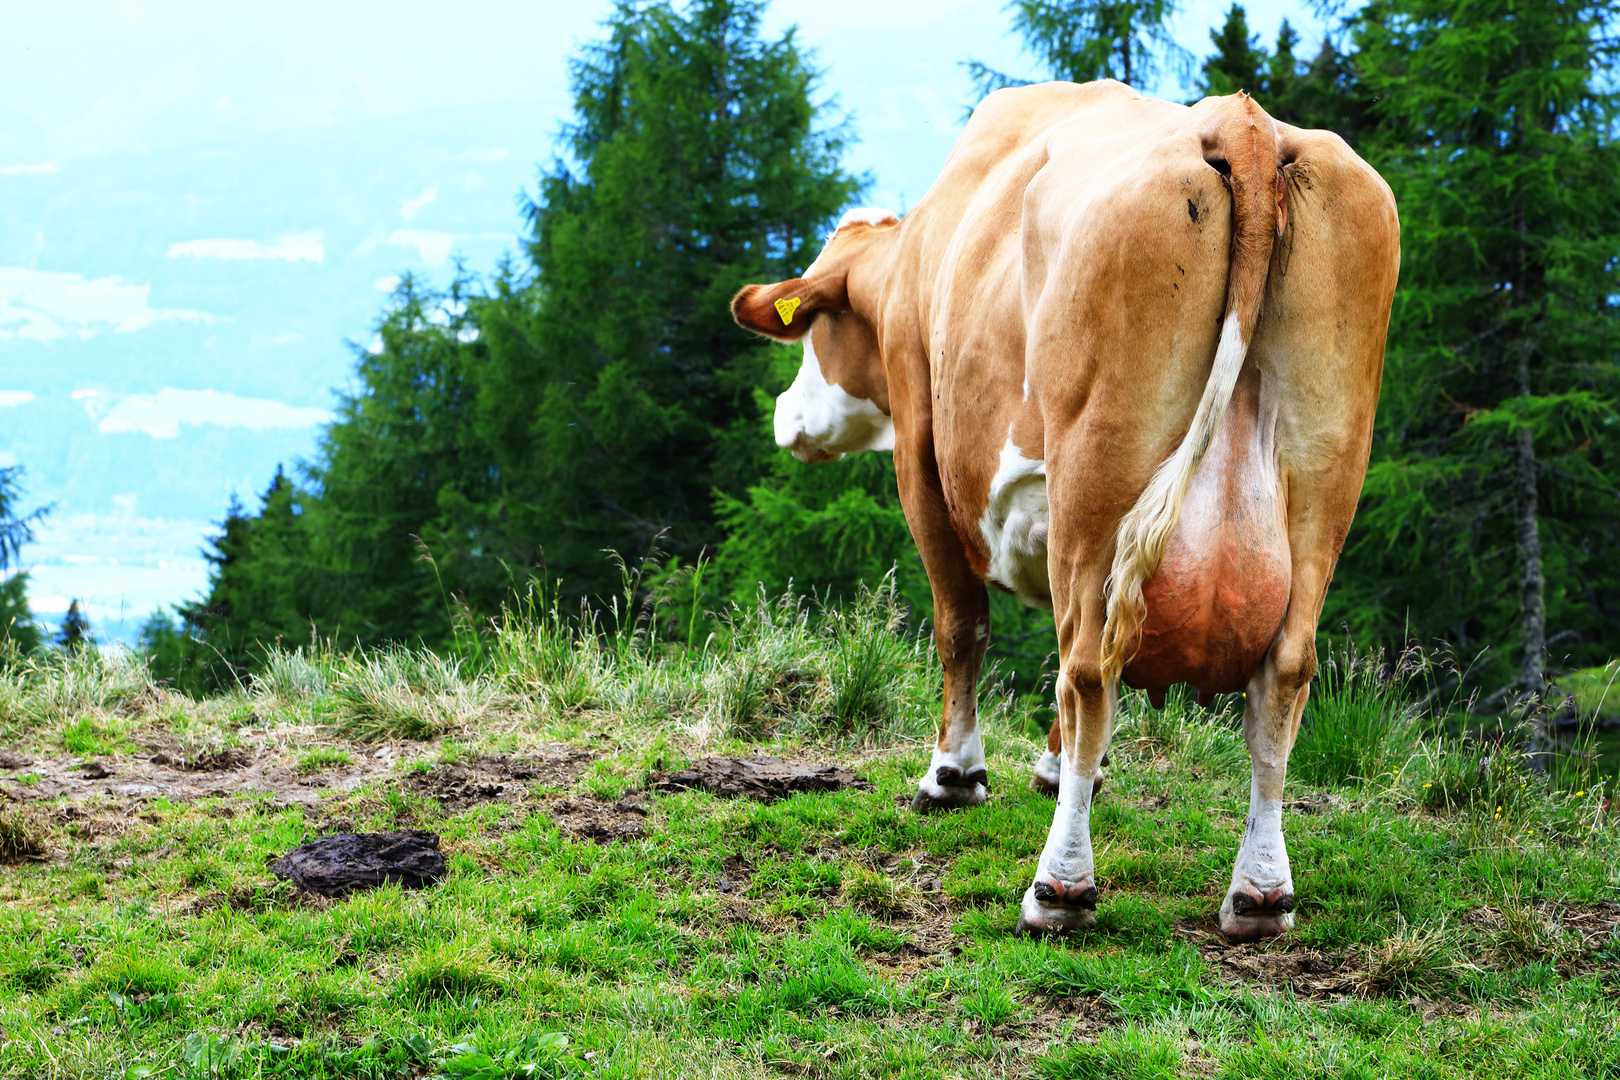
x,y
763,778
904,963
735,874
1318,803
1598,924
586,817
458,785
1308,972
179,774
1045,1020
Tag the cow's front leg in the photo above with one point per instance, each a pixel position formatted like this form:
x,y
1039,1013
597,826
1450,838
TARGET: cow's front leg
x,y
957,775
1260,901
1064,895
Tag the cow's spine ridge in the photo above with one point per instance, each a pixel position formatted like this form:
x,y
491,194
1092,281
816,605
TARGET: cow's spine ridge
x,y
1246,138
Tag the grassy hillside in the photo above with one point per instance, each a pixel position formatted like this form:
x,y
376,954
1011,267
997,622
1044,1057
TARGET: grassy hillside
x,y
1458,913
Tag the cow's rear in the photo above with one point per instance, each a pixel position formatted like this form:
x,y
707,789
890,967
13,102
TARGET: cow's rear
x,y
1131,352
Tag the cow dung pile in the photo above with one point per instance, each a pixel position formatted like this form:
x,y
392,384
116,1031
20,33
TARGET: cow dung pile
x,y
350,862
763,778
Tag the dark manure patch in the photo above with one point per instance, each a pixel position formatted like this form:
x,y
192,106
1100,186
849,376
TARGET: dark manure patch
x,y
335,866
764,778
203,760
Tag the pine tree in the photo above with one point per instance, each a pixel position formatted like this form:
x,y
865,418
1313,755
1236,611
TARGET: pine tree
x,y
75,633
598,398
1081,40
697,167
260,591
1238,59
17,624
1491,517
1324,93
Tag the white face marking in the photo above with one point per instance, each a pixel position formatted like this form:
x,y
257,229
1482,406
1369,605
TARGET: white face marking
x,y
1015,526
822,422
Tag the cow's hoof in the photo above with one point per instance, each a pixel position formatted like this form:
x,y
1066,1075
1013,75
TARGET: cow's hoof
x,y
1045,777
948,788
1052,908
1247,915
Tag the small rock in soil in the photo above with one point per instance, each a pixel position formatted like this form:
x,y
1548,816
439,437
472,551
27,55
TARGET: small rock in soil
x,y
349,862
764,778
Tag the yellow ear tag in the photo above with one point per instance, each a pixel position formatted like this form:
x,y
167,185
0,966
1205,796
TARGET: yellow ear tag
x,y
786,308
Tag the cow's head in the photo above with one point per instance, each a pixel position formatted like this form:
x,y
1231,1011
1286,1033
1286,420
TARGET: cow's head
x,y
839,403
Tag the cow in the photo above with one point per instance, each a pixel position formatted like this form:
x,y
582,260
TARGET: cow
x,y
1126,354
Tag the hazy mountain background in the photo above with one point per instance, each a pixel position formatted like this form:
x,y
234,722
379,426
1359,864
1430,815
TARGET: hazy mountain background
x,y
204,206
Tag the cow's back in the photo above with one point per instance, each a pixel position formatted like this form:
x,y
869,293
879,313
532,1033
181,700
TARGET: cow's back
x,y
1067,277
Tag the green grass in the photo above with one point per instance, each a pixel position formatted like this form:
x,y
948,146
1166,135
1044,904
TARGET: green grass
x,y
852,937
322,758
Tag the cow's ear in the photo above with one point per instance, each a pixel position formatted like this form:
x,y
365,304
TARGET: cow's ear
x,y
784,310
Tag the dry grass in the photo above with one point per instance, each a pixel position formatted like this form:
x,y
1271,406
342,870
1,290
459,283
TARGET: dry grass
x,y
1416,961
22,835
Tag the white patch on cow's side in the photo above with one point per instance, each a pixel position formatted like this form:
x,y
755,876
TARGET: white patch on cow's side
x,y
966,759
1015,526
868,215
822,422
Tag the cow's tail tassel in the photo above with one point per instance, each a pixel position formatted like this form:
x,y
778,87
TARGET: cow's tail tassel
x,y
1244,137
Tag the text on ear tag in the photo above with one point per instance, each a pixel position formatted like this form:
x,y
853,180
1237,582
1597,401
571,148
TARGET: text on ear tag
x,y
786,308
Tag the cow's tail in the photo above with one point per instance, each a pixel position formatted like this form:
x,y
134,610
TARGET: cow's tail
x,y
1241,136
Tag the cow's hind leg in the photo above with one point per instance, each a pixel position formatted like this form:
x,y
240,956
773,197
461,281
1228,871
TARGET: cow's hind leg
x,y
1260,901
1049,768
1064,894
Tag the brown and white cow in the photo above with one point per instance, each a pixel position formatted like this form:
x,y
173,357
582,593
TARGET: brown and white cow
x,y
1127,354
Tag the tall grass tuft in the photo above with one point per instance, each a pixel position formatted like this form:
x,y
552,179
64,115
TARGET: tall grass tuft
x,y
1415,961
1523,935
1359,725
544,657
22,836
400,693
874,669
764,671
55,687
1209,739
294,677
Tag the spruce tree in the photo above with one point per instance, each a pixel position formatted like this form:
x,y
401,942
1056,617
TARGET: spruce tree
x,y
1081,40
74,634
1238,59
599,397
17,624
1491,517
696,166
